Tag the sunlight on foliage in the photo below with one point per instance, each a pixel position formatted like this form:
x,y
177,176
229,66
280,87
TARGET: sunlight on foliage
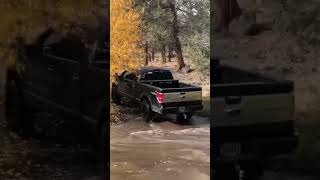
x,y
124,36
24,17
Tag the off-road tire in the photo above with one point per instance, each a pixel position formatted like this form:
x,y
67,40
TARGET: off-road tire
x,y
147,113
252,171
227,171
189,116
184,118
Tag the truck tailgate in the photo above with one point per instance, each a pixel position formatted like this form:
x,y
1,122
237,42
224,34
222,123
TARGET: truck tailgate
x,y
251,103
182,96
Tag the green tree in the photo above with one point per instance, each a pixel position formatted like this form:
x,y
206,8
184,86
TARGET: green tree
x,y
179,25
161,27
194,18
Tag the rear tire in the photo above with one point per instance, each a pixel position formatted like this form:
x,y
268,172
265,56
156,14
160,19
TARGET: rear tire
x,y
18,117
189,116
147,113
184,118
226,171
251,171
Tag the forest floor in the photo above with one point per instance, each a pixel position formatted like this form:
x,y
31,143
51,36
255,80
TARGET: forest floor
x,y
288,57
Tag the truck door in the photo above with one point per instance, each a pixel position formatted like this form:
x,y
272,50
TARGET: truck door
x,y
37,77
63,58
129,85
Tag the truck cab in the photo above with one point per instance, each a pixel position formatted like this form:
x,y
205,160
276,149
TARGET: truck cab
x,y
157,93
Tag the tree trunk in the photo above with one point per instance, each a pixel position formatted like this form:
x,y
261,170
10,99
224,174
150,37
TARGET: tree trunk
x,y
163,54
146,54
225,12
149,56
169,54
152,55
175,33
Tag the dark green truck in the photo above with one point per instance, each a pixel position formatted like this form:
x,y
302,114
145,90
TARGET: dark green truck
x,y
251,121
156,92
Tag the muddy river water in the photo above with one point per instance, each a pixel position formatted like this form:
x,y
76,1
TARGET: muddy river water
x,y
160,150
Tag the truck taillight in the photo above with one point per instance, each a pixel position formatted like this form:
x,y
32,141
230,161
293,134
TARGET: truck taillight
x,y
160,97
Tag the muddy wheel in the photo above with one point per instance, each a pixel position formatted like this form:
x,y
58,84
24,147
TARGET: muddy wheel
x,y
251,171
115,96
147,113
17,117
180,118
189,115
227,171
184,118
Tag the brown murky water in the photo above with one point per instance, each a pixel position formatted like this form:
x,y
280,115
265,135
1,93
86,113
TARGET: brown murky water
x,y
160,150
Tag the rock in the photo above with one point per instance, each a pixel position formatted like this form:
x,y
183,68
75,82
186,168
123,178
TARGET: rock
x,y
247,4
10,172
245,25
287,70
314,69
17,175
186,69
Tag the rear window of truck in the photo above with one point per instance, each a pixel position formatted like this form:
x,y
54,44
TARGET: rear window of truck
x,y
156,75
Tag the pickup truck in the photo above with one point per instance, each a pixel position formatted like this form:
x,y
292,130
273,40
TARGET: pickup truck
x,y
156,92
59,75
251,120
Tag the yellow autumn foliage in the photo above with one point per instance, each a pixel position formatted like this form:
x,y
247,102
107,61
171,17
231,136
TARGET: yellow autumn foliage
x,y
125,36
24,17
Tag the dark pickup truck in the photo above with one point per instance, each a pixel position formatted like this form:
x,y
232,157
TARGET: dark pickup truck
x,y
251,120
157,92
60,76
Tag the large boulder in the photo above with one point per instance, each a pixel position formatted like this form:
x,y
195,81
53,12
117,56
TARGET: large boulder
x,y
245,24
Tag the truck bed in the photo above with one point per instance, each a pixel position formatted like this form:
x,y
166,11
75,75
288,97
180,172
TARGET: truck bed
x,y
170,85
241,98
230,81
250,111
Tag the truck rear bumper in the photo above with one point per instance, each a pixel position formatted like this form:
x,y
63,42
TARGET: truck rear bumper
x,y
262,148
181,109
